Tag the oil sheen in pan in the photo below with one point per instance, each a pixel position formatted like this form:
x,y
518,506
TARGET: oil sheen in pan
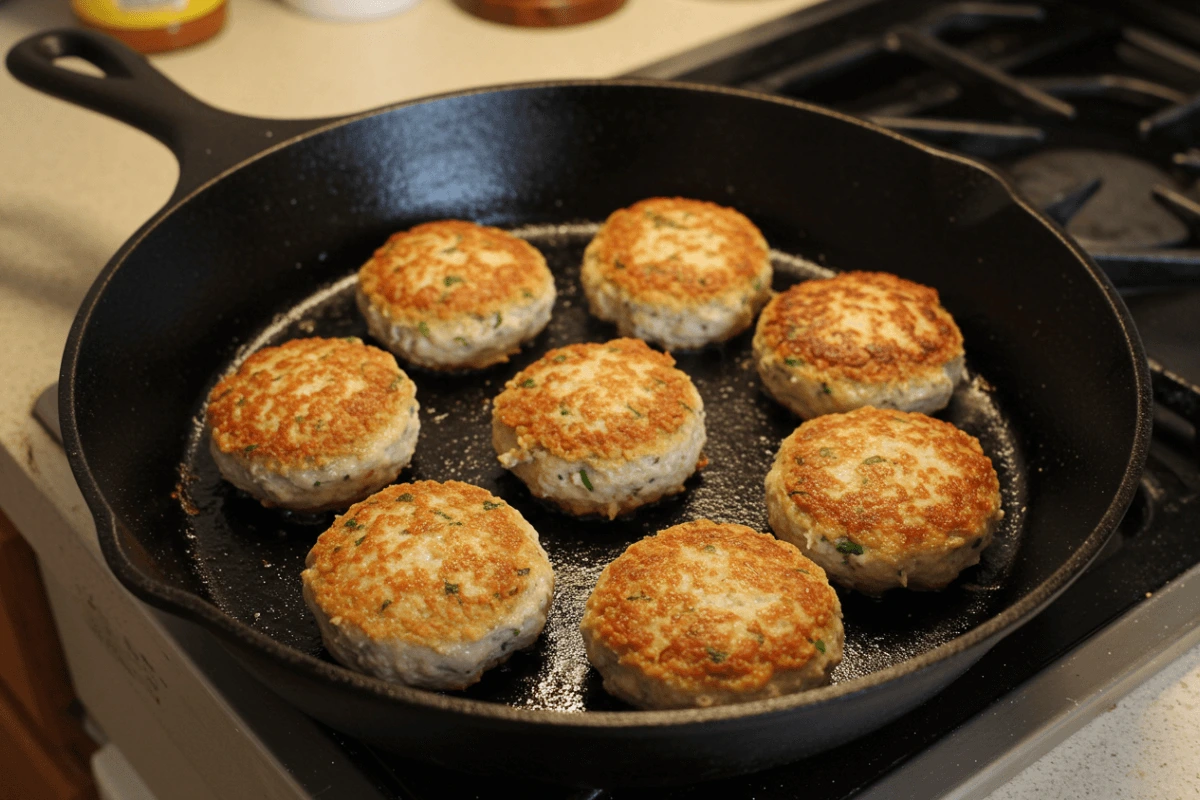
x,y
250,558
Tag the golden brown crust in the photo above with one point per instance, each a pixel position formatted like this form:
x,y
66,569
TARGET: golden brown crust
x,y
868,327
894,482
598,401
676,606
673,251
427,563
452,268
308,401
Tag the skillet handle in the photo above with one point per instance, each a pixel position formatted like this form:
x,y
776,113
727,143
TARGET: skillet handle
x,y
205,140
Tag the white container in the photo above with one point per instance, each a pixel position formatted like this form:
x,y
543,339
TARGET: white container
x,y
350,10
116,779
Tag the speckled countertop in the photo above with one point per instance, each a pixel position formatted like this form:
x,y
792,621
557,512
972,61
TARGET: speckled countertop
x,y
1145,747
74,185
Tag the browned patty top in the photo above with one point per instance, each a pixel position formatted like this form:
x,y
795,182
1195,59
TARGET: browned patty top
x,y
869,327
890,481
676,251
429,563
710,605
609,400
452,268
308,401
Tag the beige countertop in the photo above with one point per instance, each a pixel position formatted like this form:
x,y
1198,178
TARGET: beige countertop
x,y
74,185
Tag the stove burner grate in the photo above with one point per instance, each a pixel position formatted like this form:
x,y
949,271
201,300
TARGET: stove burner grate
x,y
1099,118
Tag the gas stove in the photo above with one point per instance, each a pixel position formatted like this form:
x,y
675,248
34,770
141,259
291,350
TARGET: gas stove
x,y
1093,110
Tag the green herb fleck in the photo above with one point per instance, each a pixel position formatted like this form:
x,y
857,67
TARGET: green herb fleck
x,y
558,359
875,460
386,603
405,498
717,656
352,524
317,483
250,448
488,505
849,548
528,383
757,284
758,637
806,572
825,388
451,280
523,571
827,452
660,221
424,329
462,340
360,540
638,596
792,362
708,548
241,401
587,484
450,588
564,411
636,414
686,407
618,263
442,514
799,461
528,295
515,631
820,645
796,492
499,319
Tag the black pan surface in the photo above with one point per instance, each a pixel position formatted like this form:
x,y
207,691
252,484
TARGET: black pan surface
x,y
249,558
271,218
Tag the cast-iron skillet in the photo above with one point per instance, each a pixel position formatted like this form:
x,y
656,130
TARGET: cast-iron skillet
x,y
272,217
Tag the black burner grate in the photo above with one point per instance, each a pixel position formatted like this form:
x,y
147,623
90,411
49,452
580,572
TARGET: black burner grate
x,y
1082,104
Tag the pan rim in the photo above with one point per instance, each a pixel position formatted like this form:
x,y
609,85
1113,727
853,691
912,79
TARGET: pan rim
x,y
197,609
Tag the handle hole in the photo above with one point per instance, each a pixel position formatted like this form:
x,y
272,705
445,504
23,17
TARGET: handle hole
x,y
80,65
